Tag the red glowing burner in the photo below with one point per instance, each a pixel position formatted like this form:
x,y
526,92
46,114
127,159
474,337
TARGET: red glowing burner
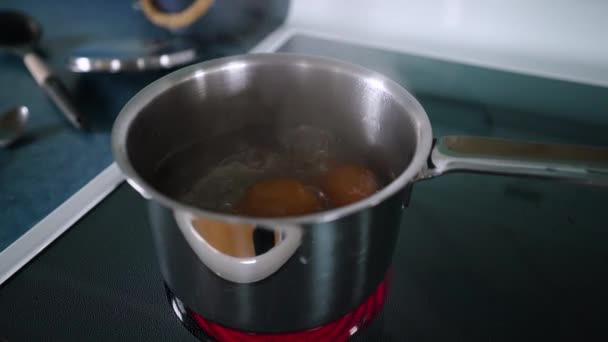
x,y
338,330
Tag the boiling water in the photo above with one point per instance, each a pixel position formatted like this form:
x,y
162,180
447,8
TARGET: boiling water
x,y
214,173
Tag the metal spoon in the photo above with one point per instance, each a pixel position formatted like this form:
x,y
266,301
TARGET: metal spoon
x,y
19,35
12,123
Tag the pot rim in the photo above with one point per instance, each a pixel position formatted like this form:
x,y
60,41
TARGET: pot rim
x,y
130,111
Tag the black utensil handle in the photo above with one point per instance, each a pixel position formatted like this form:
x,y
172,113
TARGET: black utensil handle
x,y
59,94
53,87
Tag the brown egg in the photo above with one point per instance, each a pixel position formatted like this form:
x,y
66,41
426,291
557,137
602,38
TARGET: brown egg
x,y
278,197
348,183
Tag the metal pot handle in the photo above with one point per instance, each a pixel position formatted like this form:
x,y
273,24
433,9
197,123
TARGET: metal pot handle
x,y
240,270
573,163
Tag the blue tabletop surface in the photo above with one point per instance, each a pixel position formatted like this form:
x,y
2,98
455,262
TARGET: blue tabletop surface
x,y
53,160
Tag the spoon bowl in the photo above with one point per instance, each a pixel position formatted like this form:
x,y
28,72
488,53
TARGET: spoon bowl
x,y
12,124
23,33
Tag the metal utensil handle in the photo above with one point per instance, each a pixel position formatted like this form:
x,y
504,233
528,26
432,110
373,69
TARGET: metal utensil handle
x,y
573,163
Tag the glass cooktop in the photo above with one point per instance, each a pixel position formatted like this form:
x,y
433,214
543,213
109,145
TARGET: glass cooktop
x,y
479,257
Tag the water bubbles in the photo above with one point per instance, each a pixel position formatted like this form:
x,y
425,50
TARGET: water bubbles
x,y
301,152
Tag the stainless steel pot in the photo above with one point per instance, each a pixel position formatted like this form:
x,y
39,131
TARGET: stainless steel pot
x,y
322,265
